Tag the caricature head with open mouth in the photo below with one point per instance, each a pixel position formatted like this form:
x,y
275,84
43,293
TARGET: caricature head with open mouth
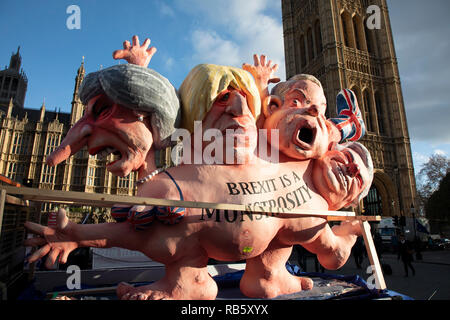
x,y
129,109
297,109
343,176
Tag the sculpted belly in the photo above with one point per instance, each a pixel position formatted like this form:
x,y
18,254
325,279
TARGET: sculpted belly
x,y
226,234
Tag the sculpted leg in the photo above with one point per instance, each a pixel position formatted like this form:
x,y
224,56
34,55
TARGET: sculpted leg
x,y
266,275
185,279
333,245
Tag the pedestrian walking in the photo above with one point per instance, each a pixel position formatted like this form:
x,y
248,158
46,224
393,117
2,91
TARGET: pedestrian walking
x,y
405,252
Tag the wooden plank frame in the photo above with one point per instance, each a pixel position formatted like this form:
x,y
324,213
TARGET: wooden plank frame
x,y
106,200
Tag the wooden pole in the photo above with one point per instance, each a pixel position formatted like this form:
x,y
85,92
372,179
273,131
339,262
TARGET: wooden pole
x,y
373,256
108,200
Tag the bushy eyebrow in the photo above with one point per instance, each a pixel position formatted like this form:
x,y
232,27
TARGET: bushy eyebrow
x,y
296,90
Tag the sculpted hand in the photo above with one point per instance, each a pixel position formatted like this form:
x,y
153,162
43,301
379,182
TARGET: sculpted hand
x,y
348,228
57,241
136,54
262,72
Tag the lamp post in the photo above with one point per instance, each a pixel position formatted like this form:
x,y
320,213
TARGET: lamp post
x,y
413,212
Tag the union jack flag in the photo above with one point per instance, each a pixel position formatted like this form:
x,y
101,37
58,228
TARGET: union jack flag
x,y
349,120
170,215
120,213
141,220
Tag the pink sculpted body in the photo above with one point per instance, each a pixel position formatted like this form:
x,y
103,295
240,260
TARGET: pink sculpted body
x,y
332,180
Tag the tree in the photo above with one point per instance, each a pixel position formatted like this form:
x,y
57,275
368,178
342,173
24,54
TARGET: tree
x,y
438,204
430,176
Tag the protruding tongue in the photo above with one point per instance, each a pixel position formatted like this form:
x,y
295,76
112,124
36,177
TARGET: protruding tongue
x,y
75,139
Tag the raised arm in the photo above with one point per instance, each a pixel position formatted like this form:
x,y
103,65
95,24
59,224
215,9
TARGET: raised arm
x,y
263,73
136,54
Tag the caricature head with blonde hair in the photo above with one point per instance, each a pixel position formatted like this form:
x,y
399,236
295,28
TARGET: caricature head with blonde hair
x,y
206,82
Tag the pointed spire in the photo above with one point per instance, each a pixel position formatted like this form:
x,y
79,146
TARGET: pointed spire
x,y
41,118
10,107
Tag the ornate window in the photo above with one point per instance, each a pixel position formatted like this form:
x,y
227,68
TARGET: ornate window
x,y
379,108
124,182
368,109
318,34
303,50
16,171
372,203
17,143
77,176
90,176
48,174
345,29
53,141
309,35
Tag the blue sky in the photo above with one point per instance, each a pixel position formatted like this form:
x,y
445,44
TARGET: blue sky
x,y
188,32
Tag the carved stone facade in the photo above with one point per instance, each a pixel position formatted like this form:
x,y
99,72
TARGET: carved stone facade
x,y
330,39
27,136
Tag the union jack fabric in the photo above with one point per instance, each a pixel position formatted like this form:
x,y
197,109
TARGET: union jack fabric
x,y
120,213
141,220
349,120
170,215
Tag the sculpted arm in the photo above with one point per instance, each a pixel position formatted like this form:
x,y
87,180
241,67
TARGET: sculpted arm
x,y
136,54
263,73
60,241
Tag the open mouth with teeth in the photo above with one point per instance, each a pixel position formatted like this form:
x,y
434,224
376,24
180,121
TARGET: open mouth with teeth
x,y
305,136
340,174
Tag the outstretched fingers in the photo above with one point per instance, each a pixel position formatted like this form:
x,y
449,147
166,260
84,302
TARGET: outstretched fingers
x,y
135,40
52,257
35,228
38,254
34,242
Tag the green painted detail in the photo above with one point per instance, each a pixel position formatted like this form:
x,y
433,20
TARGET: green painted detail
x,y
247,249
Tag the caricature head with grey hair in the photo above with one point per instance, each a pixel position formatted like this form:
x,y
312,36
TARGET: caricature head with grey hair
x,y
140,89
343,176
130,112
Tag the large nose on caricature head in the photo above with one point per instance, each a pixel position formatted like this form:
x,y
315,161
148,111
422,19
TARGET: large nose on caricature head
x,y
238,104
75,139
313,110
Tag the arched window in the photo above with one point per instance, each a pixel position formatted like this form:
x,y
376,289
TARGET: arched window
x,y
372,203
367,108
369,39
380,117
356,30
318,35
303,50
309,35
347,30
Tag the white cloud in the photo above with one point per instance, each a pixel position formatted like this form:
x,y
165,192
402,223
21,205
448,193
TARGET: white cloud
x,y
169,63
166,10
440,152
245,27
209,47
419,159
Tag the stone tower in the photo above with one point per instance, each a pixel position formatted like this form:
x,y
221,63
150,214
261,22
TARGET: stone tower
x,y
331,40
77,106
13,83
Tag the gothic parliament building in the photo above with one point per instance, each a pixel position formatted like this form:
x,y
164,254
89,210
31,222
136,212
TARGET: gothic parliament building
x,y
325,38
28,135
330,40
